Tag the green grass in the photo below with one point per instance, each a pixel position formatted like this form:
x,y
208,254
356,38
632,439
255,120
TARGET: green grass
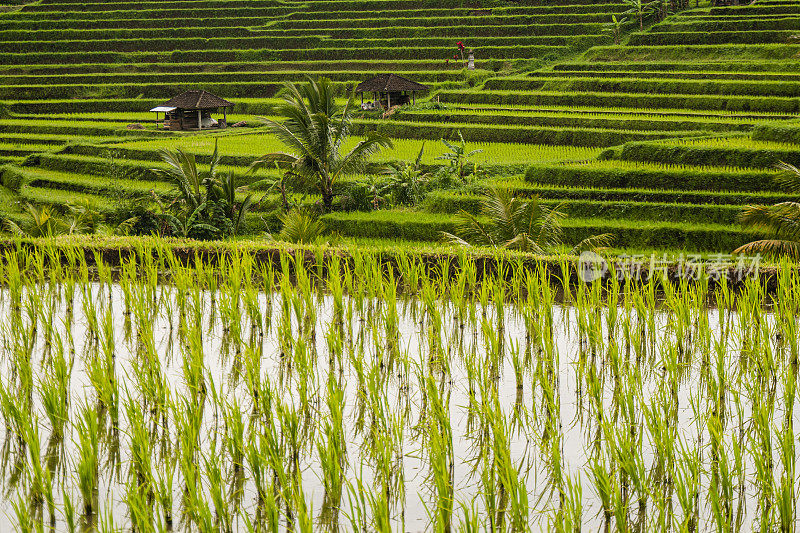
x,y
412,225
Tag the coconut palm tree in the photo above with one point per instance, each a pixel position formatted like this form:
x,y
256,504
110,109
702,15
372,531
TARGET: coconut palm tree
x,y
41,222
200,194
314,129
300,226
182,171
780,222
516,224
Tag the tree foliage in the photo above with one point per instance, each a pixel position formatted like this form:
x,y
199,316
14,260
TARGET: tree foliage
x,y
515,224
314,128
780,222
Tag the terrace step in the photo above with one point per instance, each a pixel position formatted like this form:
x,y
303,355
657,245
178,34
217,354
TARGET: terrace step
x,y
612,73
670,211
99,5
719,151
68,127
146,12
612,194
112,188
284,36
758,10
155,10
60,199
745,53
645,174
715,37
416,226
759,104
672,114
121,165
20,22
750,24
569,119
19,145
288,47
513,134
73,81
644,85
443,20
772,68
254,106
265,67
225,53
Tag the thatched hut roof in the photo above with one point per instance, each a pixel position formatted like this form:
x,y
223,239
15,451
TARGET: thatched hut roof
x,y
389,83
197,100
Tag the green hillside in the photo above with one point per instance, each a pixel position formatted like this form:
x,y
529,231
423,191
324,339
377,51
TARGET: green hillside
x,y
660,139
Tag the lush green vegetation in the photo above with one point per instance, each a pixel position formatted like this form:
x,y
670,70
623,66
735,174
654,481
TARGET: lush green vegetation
x,y
345,319
659,123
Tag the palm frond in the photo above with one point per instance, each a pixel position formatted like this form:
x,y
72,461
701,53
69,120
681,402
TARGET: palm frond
x,y
126,226
523,242
215,157
354,160
472,231
789,178
274,159
781,220
300,226
595,243
449,238
771,247
13,228
418,160
550,228
246,203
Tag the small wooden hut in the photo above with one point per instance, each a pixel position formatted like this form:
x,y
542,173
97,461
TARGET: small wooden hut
x,y
390,90
192,111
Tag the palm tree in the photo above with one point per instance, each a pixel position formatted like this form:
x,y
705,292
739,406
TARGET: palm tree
x,y
781,222
191,224
314,129
515,224
198,193
227,187
300,226
182,171
42,222
640,9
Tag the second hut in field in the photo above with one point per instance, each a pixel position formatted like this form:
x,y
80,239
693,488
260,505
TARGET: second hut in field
x,y
390,90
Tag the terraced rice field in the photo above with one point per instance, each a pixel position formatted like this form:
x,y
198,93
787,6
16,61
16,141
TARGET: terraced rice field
x,y
151,384
549,92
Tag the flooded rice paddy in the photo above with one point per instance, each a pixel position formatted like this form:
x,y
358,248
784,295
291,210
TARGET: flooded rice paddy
x,y
160,397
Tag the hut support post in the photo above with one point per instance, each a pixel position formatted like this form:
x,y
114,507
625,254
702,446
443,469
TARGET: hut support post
x,y
199,120
413,97
388,100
